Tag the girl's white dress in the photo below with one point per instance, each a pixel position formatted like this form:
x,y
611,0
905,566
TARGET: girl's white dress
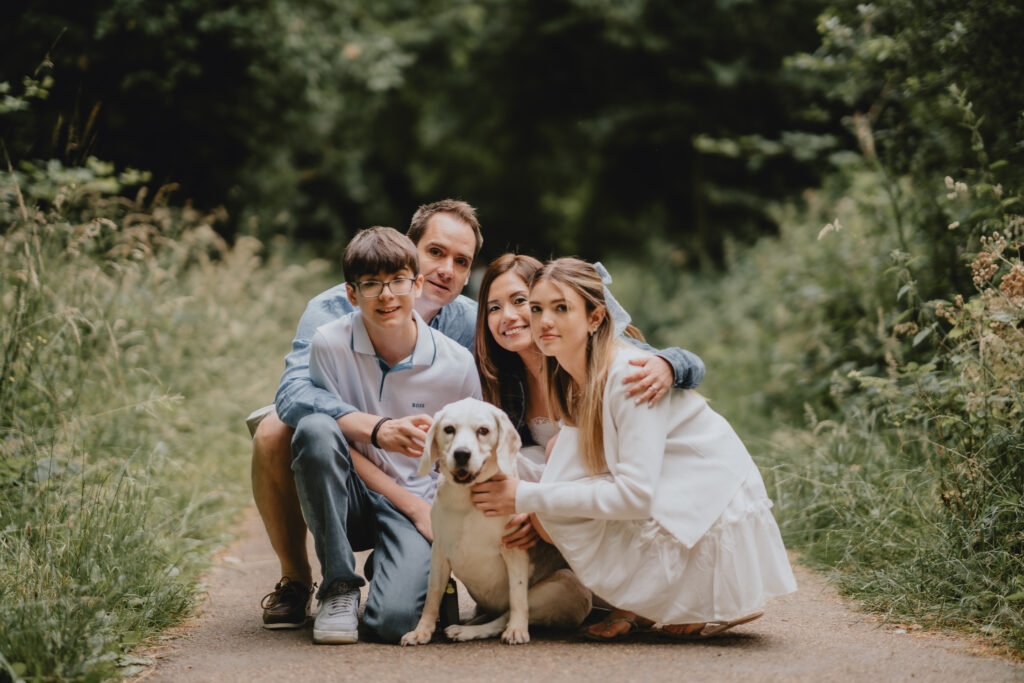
x,y
680,529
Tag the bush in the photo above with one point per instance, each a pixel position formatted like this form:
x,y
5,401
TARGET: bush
x,y
134,343
905,477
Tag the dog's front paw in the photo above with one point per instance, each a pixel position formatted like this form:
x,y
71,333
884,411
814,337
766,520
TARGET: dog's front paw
x,y
463,632
420,636
515,636
459,633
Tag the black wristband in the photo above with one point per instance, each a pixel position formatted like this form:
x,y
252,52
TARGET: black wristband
x,y
376,428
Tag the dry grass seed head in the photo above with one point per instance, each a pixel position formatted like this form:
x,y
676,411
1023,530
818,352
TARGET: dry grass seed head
x,y
1012,285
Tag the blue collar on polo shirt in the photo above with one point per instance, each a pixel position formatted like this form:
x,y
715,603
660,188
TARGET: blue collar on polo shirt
x,y
423,354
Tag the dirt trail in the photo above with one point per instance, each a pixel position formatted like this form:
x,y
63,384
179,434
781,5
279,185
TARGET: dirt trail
x,y
811,635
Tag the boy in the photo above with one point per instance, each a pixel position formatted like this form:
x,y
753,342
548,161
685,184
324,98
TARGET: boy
x,y
383,360
447,238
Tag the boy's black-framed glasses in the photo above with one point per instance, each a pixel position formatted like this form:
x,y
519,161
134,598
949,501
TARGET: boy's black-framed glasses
x,y
371,289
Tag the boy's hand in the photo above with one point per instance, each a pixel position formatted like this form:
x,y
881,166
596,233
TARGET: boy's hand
x,y
419,513
404,435
651,381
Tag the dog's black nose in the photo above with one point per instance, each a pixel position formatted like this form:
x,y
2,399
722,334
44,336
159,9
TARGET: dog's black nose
x,y
461,456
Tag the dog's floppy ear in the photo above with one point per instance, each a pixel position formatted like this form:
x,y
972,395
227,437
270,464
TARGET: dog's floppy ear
x,y
508,443
430,450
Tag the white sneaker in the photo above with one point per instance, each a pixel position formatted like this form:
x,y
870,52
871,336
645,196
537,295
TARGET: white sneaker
x,y
337,621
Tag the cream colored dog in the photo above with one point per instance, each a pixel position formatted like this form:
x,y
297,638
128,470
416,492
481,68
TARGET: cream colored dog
x,y
473,441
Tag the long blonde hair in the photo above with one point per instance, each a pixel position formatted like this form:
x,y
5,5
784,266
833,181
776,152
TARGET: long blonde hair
x,y
582,407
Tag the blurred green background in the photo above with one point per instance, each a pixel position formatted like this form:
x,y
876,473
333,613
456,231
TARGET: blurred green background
x,y
822,199
573,126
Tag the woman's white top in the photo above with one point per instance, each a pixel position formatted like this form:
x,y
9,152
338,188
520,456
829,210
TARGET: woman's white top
x,y
530,462
542,429
677,462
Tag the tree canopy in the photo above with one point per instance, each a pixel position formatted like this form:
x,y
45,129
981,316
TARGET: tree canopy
x,y
575,126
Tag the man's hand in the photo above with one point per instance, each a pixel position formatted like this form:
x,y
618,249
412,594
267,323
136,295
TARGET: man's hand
x,y
496,496
520,532
651,381
404,435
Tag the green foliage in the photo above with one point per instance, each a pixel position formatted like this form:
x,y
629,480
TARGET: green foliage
x,y
894,61
134,343
906,480
893,65
570,124
791,310
939,446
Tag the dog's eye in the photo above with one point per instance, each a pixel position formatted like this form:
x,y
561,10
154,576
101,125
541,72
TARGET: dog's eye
x,y
483,431
449,429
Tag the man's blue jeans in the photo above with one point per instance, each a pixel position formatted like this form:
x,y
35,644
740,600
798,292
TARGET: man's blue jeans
x,y
345,516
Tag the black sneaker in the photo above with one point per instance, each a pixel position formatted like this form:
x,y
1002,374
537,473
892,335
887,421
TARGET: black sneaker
x,y
286,606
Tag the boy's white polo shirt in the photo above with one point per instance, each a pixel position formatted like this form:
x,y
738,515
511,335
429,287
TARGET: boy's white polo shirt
x,y
439,371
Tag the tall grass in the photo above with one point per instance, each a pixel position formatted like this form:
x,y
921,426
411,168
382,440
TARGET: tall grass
x,y
134,343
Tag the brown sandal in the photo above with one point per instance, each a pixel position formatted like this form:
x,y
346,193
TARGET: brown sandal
x,y
712,628
635,626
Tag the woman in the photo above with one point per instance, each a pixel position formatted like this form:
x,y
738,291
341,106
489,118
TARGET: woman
x,y
509,363
658,509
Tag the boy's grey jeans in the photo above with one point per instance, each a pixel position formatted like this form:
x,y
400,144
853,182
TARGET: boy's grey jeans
x,y
345,516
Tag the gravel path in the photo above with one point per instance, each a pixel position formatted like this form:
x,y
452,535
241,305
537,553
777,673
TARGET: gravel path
x,y
811,635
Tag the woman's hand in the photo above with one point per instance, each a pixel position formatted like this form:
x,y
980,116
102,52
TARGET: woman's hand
x,y
520,532
496,496
651,381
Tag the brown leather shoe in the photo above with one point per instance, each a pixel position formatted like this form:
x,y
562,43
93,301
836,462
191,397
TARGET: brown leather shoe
x,y
286,606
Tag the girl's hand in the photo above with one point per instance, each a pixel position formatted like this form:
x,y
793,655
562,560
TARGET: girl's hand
x,y
495,497
520,532
651,381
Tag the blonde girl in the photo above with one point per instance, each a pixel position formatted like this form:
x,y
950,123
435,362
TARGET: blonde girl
x,y
659,509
